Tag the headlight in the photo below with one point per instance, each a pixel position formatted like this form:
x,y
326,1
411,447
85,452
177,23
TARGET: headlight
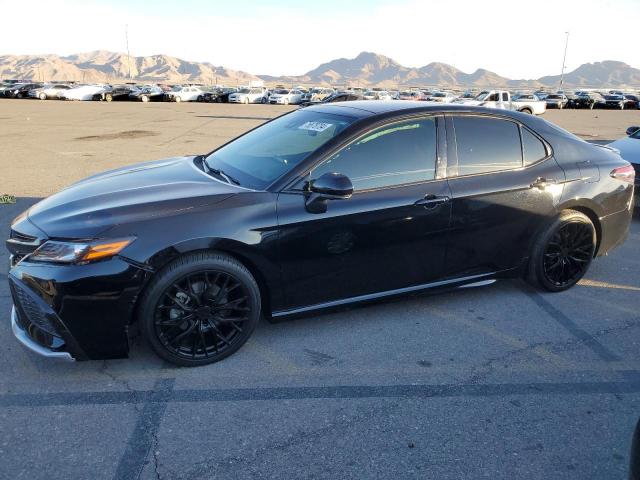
x,y
79,252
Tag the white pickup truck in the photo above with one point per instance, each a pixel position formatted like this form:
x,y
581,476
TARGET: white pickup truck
x,y
502,99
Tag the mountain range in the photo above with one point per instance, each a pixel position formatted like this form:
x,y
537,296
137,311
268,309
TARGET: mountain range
x,y
367,69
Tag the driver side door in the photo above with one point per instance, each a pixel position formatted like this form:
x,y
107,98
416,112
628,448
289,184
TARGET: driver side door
x,y
390,235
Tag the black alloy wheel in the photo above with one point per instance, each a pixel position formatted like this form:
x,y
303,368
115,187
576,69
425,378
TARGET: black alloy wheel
x,y
201,309
563,252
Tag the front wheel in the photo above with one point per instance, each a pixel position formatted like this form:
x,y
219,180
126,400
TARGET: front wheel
x,y
200,309
42,96
563,252
177,99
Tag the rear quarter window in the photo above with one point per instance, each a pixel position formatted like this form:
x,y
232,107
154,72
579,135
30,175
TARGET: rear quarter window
x,y
532,147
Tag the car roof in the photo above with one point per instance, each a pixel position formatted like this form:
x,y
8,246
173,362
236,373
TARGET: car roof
x,y
369,108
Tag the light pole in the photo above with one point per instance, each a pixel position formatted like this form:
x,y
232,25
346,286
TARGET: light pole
x,y
126,36
564,59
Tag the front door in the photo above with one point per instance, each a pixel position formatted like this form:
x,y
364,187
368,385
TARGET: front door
x,y
391,234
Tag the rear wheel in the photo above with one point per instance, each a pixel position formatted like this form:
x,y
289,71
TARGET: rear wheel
x,y
178,98
42,96
200,309
563,252
526,110
108,97
144,98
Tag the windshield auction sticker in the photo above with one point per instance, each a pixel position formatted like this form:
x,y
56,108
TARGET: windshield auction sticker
x,y
315,126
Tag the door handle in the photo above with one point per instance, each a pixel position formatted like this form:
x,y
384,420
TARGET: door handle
x,y
541,182
432,201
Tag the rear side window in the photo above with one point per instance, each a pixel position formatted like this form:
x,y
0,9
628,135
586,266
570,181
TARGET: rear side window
x,y
532,148
395,154
486,145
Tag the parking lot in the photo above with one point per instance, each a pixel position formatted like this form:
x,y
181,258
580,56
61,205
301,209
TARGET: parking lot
x,y
494,382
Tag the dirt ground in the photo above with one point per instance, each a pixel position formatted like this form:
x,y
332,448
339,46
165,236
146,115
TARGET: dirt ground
x,y
45,146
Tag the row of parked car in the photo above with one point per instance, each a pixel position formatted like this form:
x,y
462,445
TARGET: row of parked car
x,y
535,102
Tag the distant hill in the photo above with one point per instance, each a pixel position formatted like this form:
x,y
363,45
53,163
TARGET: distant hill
x,y
368,69
608,72
103,66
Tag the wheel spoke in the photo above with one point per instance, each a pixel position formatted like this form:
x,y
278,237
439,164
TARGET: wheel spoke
x,y
232,305
174,321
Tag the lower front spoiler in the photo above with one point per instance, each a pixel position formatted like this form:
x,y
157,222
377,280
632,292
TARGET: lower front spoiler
x,y
26,341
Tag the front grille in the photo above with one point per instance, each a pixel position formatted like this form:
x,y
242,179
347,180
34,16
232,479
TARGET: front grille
x,y
21,237
21,244
33,312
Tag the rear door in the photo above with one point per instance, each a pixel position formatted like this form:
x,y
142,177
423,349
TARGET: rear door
x,y
504,185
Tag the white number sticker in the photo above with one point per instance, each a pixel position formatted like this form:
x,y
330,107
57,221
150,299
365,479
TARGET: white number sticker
x,y
315,126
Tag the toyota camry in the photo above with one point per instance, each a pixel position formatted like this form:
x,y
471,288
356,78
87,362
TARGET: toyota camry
x,y
322,207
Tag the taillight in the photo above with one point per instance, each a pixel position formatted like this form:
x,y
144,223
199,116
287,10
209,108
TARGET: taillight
x,y
626,174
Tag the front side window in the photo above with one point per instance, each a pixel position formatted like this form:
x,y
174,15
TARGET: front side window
x,y
263,155
392,155
486,144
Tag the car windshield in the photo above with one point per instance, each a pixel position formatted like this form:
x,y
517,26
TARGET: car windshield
x,y
263,155
282,92
243,90
439,95
482,95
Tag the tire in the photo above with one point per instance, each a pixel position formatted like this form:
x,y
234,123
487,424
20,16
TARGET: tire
x,y
562,253
527,110
42,96
144,98
286,101
246,100
108,97
177,99
19,95
264,100
184,302
199,99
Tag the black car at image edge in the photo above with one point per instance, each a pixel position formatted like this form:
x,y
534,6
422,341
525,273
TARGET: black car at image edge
x,y
319,208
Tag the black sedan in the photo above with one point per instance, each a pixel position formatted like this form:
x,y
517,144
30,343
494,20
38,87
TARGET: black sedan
x,y
147,94
21,90
323,207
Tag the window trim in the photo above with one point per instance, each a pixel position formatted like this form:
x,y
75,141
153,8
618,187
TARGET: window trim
x,y
452,145
295,185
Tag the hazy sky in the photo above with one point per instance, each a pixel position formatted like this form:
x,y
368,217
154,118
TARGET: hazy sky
x,y
517,39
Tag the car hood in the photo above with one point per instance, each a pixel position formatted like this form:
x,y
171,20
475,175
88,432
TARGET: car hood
x,y
629,149
125,195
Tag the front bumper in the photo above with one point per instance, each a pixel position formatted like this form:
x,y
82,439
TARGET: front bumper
x,y
23,337
78,311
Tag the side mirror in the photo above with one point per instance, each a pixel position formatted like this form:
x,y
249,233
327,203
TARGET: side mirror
x,y
632,130
329,186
